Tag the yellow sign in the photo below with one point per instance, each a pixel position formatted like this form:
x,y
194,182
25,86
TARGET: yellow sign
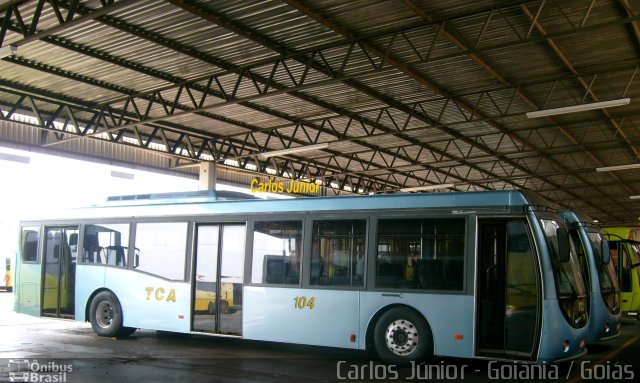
x,y
159,294
304,302
294,186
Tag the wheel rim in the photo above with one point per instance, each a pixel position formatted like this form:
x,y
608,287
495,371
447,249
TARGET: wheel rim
x,y
402,337
104,314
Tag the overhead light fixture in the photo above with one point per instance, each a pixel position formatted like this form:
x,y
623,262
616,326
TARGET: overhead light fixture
x,y
297,149
427,187
634,197
117,174
14,158
578,108
618,167
7,51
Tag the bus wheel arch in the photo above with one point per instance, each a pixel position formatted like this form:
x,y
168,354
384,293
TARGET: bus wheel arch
x,y
88,303
412,330
105,313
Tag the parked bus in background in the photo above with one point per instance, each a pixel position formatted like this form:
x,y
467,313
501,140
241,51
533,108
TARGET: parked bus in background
x,y
625,252
599,274
7,274
490,275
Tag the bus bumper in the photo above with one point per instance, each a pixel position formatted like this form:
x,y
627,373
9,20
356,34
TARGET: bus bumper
x,y
572,357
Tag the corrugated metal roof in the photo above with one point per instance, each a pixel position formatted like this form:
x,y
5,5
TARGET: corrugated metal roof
x,y
407,93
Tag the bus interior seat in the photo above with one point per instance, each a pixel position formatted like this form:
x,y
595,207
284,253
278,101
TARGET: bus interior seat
x,y
93,250
275,271
278,270
72,248
316,272
455,274
430,274
389,274
118,252
292,275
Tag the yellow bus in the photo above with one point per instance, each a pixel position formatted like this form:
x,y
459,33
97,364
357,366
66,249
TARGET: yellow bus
x,y
205,297
624,243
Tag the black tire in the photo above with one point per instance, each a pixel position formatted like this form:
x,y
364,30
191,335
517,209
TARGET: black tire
x,y
224,307
402,335
105,314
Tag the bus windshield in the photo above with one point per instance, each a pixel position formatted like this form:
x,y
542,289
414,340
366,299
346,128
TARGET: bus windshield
x,y
570,288
567,274
606,272
609,287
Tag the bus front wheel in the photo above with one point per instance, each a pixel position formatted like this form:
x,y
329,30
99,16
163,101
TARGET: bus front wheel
x,y
402,335
105,314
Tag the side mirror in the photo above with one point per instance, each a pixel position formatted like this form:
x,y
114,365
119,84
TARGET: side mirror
x,y
606,252
563,244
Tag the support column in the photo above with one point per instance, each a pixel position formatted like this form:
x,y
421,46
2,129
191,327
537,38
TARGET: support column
x,y
208,175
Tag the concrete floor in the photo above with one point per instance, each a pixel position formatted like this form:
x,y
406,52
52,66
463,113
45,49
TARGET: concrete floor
x,y
69,351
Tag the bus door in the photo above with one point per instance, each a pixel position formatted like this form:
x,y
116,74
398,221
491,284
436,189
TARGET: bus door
x,y
625,257
508,300
59,271
218,275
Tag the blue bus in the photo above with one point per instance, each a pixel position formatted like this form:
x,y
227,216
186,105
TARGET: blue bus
x,y
599,274
490,275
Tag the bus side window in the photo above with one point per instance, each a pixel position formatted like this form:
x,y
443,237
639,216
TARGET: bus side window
x,y
277,252
30,238
420,254
106,244
337,255
161,249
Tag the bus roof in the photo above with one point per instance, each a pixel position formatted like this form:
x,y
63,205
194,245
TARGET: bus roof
x,y
581,220
458,202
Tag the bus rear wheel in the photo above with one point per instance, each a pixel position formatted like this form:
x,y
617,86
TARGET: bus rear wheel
x,y
105,314
402,335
